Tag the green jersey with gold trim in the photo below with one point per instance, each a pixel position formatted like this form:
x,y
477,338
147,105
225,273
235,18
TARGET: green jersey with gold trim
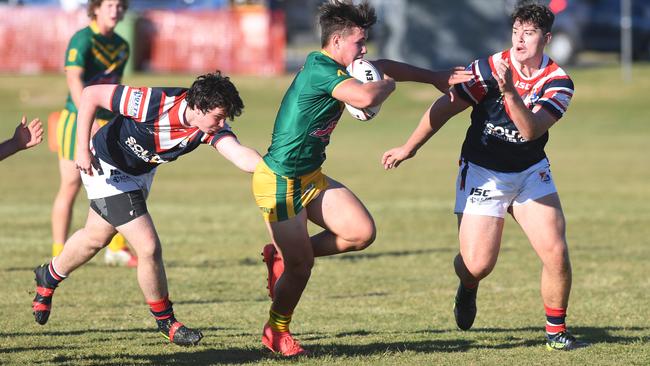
x,y
102,58
307,117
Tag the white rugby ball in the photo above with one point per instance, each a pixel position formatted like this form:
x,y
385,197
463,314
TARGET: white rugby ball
x,y
365,72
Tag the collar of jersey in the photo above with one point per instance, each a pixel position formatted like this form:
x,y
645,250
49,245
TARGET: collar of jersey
x,y
94,27
327,54
517,66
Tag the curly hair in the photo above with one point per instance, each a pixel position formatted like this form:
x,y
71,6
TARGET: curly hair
x,y
94,4
539,15
214,90
338,16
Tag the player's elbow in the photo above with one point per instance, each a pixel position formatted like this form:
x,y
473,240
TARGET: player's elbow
x,y
365,100
252,161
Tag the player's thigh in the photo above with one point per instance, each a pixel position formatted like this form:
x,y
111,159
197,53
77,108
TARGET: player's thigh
x,y
338,210
291,237
542,220
141,234
98,230
480,240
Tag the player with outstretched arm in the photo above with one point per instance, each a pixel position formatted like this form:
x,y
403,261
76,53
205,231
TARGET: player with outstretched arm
x,y
517,95
153,126
96,54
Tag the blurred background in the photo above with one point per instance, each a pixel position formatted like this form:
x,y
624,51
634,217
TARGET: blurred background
x,y
271,37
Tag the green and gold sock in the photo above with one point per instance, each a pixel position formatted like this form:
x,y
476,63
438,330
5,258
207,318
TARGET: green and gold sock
x,y
279,322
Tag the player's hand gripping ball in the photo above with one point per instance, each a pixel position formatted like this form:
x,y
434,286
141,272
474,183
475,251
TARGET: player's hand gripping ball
x,y
365,72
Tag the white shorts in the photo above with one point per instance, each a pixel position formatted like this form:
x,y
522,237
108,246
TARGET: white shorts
x,y
110,181
481,191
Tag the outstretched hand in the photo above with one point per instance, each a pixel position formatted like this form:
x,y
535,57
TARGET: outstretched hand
x,y
395,156
27,136
459,75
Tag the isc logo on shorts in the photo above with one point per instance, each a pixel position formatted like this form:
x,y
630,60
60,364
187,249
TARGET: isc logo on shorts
x,y
478,195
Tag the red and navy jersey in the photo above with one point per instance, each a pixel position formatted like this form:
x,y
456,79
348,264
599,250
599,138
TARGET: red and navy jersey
x,y
150,129
492,139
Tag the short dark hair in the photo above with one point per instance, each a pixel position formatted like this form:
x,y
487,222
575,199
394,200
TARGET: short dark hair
x,y
338,16
94,4
539,15
212,91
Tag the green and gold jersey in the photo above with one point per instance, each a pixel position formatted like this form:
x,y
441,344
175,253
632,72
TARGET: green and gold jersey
x,y
102,58
307,116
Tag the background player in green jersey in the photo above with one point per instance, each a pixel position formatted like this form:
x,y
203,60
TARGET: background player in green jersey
x,y
288,184
95,55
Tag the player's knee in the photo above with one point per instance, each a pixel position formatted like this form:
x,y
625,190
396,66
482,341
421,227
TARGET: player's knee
x,y
69,187
149,250
364,237
94,240
479,269
558,254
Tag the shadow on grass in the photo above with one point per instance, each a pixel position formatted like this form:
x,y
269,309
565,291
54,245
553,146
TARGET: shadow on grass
x,y
593,335
196,357
502,338
371,255
64,333
246,262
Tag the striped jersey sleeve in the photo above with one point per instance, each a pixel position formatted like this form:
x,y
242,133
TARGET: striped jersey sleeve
x,y
474,90
557,96
134,103
213,139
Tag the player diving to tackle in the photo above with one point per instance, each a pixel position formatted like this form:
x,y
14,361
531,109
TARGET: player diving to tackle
x,y
153,126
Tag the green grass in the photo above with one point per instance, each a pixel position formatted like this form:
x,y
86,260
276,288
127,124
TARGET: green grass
x,y
390,304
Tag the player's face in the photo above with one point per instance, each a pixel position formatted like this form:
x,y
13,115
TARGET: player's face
x,y
212,121
109,13
528,41
353,45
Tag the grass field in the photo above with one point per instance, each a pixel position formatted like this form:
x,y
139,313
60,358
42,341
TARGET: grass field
x,y
388,305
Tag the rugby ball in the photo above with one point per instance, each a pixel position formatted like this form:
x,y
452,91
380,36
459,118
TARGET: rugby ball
x,y
365,72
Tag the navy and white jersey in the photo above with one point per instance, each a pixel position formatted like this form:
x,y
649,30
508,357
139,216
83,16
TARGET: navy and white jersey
x,y
492,139
150,129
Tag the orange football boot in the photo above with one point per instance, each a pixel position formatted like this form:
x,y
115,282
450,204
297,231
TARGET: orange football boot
x,y
281,342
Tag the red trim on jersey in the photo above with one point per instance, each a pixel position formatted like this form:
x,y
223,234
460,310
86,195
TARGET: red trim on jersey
x,y
559,104
176,130
156,122
172,115
564,92
491,63
126,101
